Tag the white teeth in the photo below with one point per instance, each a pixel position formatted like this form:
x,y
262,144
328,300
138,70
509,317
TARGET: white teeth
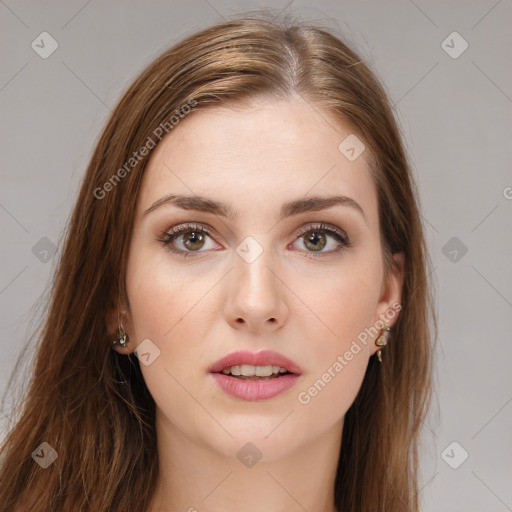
x,y
247,370
263,371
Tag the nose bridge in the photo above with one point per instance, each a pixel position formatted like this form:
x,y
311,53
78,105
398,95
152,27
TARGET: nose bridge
x,y
252,271
256,289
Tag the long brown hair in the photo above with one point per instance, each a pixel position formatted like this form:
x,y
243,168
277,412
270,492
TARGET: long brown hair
x,y
91,405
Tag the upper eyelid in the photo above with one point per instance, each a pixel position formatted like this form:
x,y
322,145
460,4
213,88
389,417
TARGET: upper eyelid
x,y
322,226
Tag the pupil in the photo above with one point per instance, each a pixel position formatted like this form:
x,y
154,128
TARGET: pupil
x,y
197,237
313,239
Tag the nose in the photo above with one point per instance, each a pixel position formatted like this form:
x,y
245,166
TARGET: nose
x,y
256,300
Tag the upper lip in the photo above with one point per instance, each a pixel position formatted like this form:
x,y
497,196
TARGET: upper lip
x,y
262,358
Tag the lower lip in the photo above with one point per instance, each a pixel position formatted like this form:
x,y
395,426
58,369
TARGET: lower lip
x,y
255,390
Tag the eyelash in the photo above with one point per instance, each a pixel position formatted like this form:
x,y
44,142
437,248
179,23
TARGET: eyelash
x,y
167,237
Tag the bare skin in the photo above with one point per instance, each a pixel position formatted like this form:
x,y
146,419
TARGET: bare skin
x,y
307,301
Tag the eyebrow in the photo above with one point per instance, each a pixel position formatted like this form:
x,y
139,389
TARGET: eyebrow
x,y
296,207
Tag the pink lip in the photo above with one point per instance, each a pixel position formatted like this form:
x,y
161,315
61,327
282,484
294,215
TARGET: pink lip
x,y
262,358
255,390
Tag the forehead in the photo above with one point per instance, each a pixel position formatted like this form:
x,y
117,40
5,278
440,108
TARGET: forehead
x,y
269,151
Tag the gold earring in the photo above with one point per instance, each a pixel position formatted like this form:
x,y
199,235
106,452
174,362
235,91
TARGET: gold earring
x,y
122,338
382,341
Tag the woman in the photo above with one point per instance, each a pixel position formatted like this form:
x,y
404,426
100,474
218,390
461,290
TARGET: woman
x,y
240,316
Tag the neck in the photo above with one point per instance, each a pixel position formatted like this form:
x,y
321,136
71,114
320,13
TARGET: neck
x,y
196,477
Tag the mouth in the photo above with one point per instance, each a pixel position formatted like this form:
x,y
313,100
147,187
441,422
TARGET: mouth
x,y
247,365
250,372
255,376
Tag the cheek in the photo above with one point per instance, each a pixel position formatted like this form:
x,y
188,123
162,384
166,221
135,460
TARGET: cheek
x,y
330,393
162,299
339,358
174,310
167,310
344,304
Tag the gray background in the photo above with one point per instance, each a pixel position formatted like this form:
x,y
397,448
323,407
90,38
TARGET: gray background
x,y
455,114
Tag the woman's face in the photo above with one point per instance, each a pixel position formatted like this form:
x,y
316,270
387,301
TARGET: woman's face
x,y
255,271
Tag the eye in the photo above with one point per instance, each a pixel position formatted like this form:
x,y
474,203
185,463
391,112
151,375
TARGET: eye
x,y
315,238
194,237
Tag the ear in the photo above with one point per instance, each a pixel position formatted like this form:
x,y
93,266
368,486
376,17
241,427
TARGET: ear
x,y
390,300
116,313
